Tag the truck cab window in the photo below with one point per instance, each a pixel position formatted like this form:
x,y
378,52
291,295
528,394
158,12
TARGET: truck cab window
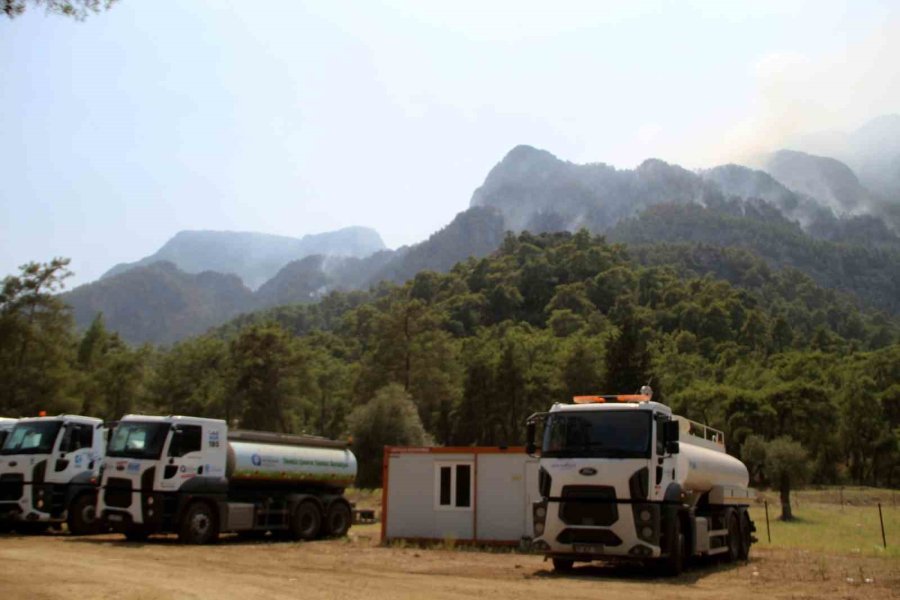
x,y
660,435
78,437
187,439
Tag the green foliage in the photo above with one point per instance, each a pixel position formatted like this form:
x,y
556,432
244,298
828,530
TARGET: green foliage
x,y
77,9
787,466
269,378
388,419
37,348
756,352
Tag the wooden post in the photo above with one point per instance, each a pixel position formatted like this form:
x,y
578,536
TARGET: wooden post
x,y
881,519
842,497
768,531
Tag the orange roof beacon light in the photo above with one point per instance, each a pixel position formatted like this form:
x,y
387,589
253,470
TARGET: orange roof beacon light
x,y
645,395
42,413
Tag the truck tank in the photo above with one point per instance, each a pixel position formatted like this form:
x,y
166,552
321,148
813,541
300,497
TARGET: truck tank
x,y
258,457
702,468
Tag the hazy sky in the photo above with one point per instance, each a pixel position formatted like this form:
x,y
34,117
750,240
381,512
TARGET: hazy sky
x,y
297,117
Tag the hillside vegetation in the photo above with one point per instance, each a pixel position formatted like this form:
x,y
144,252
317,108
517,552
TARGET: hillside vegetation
x,y
476,350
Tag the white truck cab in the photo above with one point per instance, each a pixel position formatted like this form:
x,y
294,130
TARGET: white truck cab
x,y
49,470
621,477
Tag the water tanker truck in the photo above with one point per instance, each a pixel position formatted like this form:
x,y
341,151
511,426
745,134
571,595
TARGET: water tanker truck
x,y
193,477
49,473
622,478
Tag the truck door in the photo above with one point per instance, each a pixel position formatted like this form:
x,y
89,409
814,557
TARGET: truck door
x,y
74,453
662,471
183,457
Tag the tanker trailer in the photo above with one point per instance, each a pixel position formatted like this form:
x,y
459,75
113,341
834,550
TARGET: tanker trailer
x,y
193,477
622,478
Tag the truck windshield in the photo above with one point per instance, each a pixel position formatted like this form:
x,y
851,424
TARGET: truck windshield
x,y
598,434
35,437
133,439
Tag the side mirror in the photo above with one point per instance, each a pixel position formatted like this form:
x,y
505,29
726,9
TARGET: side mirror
x,y
672,448
670,431
530,447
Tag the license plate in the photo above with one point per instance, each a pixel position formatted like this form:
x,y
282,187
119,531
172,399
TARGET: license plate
x,y
588,548
115,517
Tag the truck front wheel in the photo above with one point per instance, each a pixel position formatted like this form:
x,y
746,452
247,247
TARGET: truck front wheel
x,y
136,534
673,564
746,534
306,522
82,517
734,536
338,519
563,565
198,525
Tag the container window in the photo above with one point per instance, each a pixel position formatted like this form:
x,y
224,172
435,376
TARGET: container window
x,y
463,486
446,484
453,485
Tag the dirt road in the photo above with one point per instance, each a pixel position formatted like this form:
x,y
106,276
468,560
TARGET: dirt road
x,y
59,566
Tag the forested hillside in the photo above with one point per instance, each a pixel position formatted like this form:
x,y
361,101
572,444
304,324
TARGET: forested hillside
x,y
748,349
862,258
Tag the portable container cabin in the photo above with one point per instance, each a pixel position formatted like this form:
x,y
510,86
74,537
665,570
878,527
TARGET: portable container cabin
x,y
480,495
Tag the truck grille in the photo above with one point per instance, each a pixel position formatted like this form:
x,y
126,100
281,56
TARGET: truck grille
x,y
11,487
118,492
588,505
589,536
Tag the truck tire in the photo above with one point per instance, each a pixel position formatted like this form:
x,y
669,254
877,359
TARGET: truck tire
x,y
746,534
563,565
338,519
306,522
82,517
673,564
735,535
136,534
199,525
32,528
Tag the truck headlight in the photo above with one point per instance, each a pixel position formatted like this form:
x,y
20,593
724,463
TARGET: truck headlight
x,y
645,515
40,493
540,512
40,504
538,528
150,500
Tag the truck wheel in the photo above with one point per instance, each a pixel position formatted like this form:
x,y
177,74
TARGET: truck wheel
x,y
563,565
198,525
673,564
82,518
306,522
734,536
338,519
32,528
136,534
744,553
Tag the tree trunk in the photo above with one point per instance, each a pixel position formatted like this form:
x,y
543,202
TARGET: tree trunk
x,y
786,513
